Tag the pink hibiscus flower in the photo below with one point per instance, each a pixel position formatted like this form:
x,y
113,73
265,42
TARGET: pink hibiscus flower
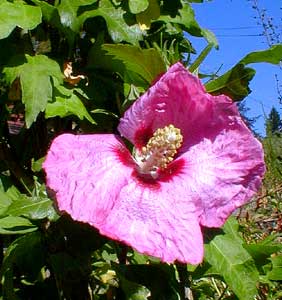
x,y
194,162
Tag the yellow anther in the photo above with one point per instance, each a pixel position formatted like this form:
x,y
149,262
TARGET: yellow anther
x,y
160,150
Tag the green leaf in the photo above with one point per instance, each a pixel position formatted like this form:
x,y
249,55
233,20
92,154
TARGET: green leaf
x,y
16,225
145,17
68,12
67,103
136,6
231,227
27,256
4,202
49,12
133,290
186,18
32,208
13,193
146,63
35,76
158,278
272,55
17,14
36,92
228,257
276,271
118,29
200,58
234,83
262,250
105,112
36,165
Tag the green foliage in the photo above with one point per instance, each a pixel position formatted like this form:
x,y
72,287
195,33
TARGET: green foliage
x,y
272,55
75,66
229,259
35,73
67,102
137,6
116,23
234,83
144,64
26,253
17,14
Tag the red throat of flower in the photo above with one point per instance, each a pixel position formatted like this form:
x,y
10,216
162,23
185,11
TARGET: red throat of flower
x,y
159,151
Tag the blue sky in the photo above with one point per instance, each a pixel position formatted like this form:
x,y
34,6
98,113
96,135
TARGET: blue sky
x,y
238,34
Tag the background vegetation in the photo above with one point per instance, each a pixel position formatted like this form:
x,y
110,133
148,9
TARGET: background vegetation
x,y
75,66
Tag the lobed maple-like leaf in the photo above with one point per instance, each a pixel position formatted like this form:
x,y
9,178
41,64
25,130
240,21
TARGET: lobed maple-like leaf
x,y
35,74
17,14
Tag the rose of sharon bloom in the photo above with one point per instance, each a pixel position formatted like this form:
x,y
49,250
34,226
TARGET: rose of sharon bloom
x,y
194,162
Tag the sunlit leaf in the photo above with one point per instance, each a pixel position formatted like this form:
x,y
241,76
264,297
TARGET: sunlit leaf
x,y
68,12
276,271
231,227
4,202
49,12
273,55
32,209
35,76
186,18
136,6
16,225
226,255
147,63
151,13
17,14
37,164
13,193
200,58
262,250
117,26
234,83
67,103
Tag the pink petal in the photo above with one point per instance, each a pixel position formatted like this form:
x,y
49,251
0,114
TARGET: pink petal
x,y
158,220
87,173
224,172
95,182
177,98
